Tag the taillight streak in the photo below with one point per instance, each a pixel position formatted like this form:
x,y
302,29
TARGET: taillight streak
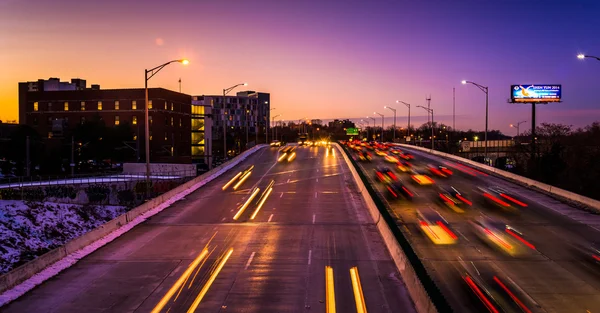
x,y
487,195
425,224
446,199
480,295
407,191
445,228
502,242
520,239
513,200
463,199
392,191
521,304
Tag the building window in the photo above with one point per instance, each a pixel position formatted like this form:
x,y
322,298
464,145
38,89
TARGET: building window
x,y
149,104
134,105
66,106
134,136
83,120
36,106
49,134
150,119
82,105
49,123
165,105
172,106
49,106
134,121
150,135
171,121
35,121
99,105
116,105
166,136
180,122
116,120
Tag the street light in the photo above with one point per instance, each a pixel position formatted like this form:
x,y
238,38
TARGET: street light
x,y
393,110
381,124
484,89
432,124
367,122
583,56
275,127
152,72
517,126
408,126
225,92
374,121
267,125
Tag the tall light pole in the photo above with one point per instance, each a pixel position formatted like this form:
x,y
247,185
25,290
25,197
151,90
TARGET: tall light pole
x,y
267,125
432,125
484,89
147,75
367,128
393,110
225,92
408,126
381,124
583,56
517,125
274,135
374,121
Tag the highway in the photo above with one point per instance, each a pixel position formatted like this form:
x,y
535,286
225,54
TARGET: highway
x,y
558,277
296,255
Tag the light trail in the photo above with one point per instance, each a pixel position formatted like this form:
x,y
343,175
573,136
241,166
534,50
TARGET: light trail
x,y
212,278
282,157
359,298
231,181
241,181
329,290
261,203
180,281
245,205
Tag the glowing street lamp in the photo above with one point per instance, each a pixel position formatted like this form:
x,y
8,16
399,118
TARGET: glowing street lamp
x,y
149,74
408,126
432,124
517,126
484,89
381,124
393,110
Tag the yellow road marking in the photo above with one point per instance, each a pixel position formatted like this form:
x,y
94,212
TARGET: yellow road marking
x,y
359,298
180,281
245,205
329,290
212,278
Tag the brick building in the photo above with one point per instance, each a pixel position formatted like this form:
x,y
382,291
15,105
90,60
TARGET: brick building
x,y
51,107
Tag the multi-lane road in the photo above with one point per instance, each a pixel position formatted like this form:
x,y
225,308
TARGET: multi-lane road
x,y
295,255
558,277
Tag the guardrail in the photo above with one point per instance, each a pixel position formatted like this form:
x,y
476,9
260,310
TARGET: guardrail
x,y
25,277
426,295
530,183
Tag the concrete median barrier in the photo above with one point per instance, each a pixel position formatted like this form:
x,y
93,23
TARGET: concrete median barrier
x,y
559,193
23,278
417,290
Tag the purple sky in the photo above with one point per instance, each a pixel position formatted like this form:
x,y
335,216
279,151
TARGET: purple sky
x,y
318,58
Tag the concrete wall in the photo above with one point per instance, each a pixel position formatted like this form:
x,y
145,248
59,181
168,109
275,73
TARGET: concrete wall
x,y
553,191
160,169
24,274
415,288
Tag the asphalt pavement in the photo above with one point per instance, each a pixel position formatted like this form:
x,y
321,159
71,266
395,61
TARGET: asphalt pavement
x,y
558,277
195,257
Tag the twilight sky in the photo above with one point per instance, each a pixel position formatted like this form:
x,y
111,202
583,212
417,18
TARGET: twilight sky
x,y
318,58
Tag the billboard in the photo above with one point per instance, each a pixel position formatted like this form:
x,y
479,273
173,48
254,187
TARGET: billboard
x,y
535,93
352,131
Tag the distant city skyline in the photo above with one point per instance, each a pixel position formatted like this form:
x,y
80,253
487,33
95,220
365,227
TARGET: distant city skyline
x,y
318,58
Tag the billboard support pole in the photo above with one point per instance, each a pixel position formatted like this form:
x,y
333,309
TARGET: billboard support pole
x,y
533,153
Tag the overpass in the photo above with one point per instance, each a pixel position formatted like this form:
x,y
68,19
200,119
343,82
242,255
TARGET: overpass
x,y
308,245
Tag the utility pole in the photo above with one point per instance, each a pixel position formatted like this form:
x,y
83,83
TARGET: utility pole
x,y
453,109
27,156
428,107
